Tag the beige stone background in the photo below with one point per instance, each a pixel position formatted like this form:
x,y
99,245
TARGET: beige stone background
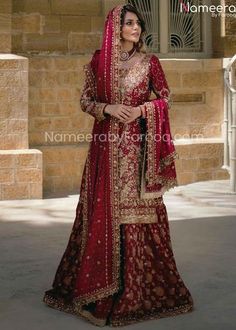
x,y
40,88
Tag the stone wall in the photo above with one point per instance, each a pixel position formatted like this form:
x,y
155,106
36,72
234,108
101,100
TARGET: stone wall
x,y
58,38
230,33
75,26
13,102
56,119
5,26
224,32
54,93
20,168
55,88
56,84
197,87
200,161
58,26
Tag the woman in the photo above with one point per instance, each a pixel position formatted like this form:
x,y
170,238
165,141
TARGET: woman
x,y
118,267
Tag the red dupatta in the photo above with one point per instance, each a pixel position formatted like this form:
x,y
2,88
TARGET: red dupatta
x,y
100,198
158,169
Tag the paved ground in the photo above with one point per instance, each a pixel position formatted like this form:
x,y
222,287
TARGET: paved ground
x,y
34,234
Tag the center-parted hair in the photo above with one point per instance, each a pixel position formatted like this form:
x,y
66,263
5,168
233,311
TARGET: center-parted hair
x,y
132,9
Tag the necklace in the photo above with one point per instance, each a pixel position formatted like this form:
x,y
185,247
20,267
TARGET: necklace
x,y
125,55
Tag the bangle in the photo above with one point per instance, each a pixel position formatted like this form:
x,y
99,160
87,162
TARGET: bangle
x,y
143,111
105,114
140,110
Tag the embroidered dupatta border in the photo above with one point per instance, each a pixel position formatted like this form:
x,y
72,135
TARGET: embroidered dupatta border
x,y
150,174
114,193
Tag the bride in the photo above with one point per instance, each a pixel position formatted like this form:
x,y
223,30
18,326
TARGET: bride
x,y
118,267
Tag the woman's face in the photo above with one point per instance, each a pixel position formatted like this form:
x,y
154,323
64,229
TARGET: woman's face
x,y
131,29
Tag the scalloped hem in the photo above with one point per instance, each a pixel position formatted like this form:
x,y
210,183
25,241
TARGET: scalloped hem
x,y
154,315
72,308
75,309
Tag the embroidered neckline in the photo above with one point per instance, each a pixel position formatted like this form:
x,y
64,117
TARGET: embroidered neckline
x,y
134,66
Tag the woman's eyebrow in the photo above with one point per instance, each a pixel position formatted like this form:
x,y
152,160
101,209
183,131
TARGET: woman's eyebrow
x,y
130,19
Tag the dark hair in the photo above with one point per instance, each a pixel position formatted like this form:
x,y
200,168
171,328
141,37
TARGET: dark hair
x,y
132,9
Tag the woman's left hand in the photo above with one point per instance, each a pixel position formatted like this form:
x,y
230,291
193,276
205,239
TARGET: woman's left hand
x,y
134,114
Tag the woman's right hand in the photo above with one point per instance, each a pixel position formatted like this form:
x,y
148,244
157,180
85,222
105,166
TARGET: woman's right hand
x,y
119,111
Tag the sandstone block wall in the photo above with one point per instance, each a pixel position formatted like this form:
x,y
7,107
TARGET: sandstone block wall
x,y
14,102
75,26
63,168
200,161
224,32
54,94
198,95
5,26
58,26
20,174
58,37
20,168
230,32
57,124
56,83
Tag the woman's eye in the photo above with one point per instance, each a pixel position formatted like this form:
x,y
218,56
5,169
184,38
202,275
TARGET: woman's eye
x,y
130,23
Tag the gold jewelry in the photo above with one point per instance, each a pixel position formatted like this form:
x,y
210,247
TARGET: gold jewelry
x,y
125,55
140,110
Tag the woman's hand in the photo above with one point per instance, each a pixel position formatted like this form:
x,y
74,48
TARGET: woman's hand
x,y
119,111
135,113
126,114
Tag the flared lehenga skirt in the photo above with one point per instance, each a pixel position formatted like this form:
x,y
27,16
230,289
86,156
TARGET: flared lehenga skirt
x,y
151,286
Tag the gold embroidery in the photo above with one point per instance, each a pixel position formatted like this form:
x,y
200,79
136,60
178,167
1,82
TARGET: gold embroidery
x,y
72,308
133,317
133,209
151,315
144,218
113,161
135,80
168,184
149,156
88,96
136,74
169,159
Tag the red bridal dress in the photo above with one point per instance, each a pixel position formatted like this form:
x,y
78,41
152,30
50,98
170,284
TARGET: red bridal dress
x,y
149,285
118,267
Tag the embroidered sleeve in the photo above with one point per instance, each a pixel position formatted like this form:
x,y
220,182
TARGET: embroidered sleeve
x,y
158,84
88,97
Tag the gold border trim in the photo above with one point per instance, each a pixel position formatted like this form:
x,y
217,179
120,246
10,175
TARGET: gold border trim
x,y
141,316
114,193
57,303
73,308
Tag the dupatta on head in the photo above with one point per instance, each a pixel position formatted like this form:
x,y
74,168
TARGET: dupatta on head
x,y
90,267
158,170
105,62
